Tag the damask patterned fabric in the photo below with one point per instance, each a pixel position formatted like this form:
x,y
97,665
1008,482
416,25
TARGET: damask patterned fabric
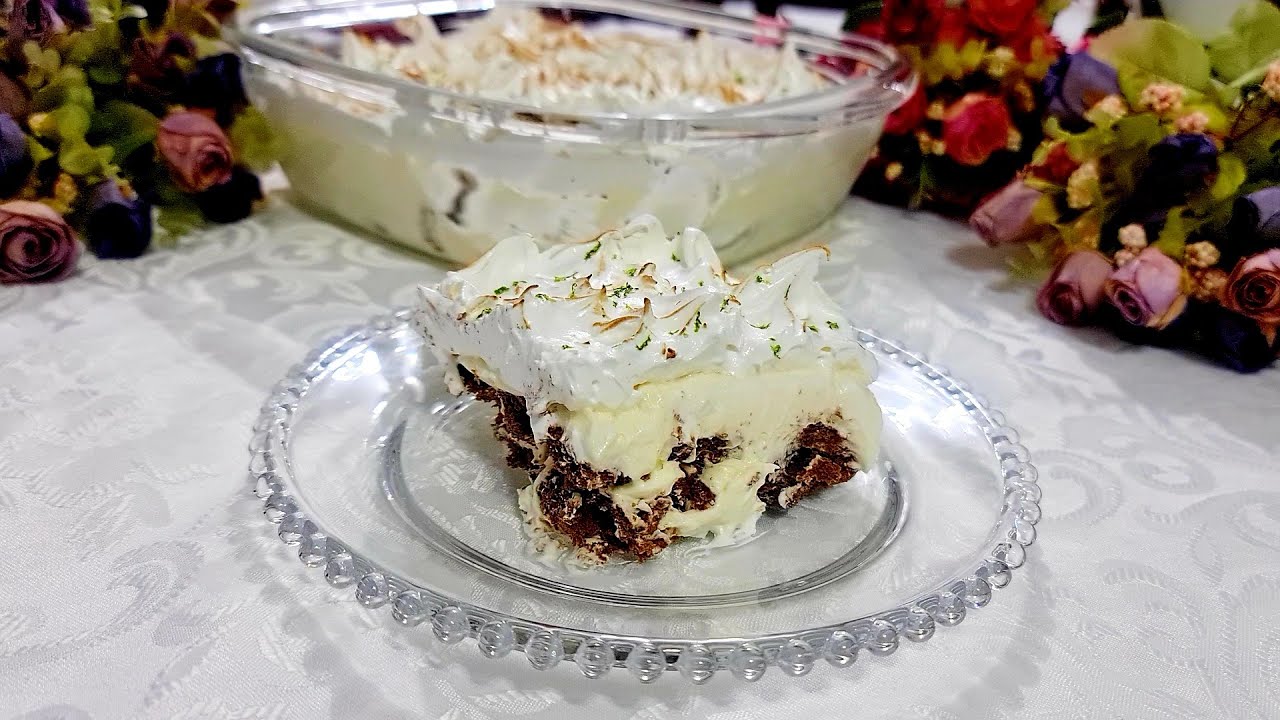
x,y
138,578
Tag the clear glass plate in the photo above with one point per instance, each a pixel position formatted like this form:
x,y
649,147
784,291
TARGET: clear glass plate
x,y
397,488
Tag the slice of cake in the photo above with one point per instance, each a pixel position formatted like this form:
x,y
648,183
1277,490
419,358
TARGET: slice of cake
x,y
648,394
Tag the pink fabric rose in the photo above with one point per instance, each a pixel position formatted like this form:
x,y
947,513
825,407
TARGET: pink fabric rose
x,y
1253,290
36,245
195,149
1074,290
1005,217
974,127
1148,289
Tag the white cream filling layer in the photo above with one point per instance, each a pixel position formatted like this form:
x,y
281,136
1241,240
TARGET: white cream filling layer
x,y
759,414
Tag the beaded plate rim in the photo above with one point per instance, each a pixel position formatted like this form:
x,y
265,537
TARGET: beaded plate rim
x,y
547,645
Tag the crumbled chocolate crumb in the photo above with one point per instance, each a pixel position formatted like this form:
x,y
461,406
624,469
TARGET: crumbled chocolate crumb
x,y
572,498
819,459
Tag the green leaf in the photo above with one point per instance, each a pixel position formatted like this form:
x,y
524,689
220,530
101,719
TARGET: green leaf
x,y
79,159
106,74
1231,175
38,152
179,218
1258,147
1173,236
124,126
252,140
1090,143
1253,40
1138,131
72,122
1157,50
971,55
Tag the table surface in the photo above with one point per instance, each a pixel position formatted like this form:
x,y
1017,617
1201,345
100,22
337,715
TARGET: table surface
x,y
141,581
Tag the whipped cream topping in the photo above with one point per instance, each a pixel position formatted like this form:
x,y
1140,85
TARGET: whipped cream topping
x,y
520,55
589,324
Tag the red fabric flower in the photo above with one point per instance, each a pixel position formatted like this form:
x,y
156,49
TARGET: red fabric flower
x,y
1001,18
1023,41
908,115
953,27
910,21
974,127
872,28
1057,166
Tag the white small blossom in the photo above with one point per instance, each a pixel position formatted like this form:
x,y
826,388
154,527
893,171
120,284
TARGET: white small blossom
x,y
1271,83
1112,106
1133,236
1163,98
1082,185
1192,122
1202,254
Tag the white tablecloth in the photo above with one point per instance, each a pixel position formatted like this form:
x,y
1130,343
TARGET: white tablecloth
x,y
138,578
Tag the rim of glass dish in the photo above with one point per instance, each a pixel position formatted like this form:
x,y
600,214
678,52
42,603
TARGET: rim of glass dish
x,y
547,644
887,83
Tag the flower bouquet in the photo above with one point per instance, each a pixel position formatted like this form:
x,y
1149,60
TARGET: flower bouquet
x,y
1155,197
109,109
975,117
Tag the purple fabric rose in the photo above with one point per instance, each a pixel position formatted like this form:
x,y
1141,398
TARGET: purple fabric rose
x,y
1232,340
1005,217
1255,221
215,83
38,19
1074,83
15,101
155,75
15,161
1074,290
36,244
116,226
1147,290
1179,164
232,200
196,150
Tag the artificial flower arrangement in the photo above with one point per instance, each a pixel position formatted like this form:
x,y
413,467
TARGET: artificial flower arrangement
x,y
1155,198
975,116
109,109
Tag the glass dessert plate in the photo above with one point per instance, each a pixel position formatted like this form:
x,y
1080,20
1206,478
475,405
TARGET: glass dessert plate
x,y
398,489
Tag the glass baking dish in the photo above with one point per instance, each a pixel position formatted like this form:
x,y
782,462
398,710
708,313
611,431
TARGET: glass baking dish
x,y
450,174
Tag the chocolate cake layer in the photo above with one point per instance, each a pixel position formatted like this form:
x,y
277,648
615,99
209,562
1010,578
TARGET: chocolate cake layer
x,y
571,495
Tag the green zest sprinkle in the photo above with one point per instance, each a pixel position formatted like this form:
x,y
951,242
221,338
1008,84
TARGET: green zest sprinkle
x,y
542,296
501,290
562,278
812,328
697,321
644,343
594,249
761,327
631,272
675,257
485,311
776,348
622,291
833,324
699,283
564,347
